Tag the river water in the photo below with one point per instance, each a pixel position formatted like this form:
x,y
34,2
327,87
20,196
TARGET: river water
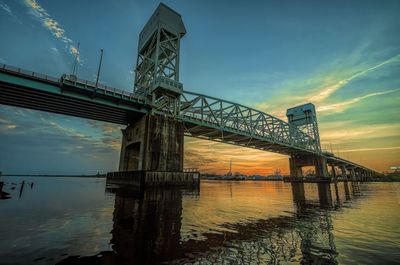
x,y
84,221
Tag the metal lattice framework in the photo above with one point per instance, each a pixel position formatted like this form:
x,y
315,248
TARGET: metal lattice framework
x,y
224,121
157,66
311,128
304,117
159,58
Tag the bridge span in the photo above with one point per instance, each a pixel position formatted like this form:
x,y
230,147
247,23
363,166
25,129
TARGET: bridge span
x,y
204,117
159,112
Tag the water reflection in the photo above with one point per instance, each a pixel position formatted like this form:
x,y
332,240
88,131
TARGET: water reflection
x,y
147,228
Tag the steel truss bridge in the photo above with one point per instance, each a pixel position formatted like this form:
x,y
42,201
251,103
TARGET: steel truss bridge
x,y
204,117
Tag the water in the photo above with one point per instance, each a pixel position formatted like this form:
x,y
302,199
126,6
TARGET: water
x,y
81,221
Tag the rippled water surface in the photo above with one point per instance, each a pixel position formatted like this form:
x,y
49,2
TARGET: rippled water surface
x,y
85,221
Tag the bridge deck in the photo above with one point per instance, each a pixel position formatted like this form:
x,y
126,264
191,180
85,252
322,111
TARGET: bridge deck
x,y
204,116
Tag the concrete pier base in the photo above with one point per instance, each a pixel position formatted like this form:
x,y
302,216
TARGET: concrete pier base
x,y
152,154
152,143
143,179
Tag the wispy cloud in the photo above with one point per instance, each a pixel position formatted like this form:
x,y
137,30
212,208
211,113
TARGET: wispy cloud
x,y
5,7
8,10
319,87
360,132
371,149
325,92
341,106
52,25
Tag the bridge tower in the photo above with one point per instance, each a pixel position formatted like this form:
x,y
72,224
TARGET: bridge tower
x,y
304,117
154,142
157,65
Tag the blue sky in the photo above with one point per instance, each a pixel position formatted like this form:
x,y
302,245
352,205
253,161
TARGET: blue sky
x,y
344,56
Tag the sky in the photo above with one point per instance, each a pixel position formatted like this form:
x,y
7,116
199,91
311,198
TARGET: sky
x,y
343,56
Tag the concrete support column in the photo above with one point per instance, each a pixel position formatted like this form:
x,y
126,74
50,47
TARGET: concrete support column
x,y
337,192
333,171
352,174
295,168
346,190
152,143
321,169
343,169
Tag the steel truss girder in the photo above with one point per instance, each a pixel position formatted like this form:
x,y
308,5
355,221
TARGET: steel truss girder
x,y
252,127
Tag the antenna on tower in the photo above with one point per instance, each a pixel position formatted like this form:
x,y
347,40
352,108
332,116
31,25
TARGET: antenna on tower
x,y
75,64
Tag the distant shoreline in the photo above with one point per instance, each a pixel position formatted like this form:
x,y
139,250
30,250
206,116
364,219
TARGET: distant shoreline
x,y
271,180
57,176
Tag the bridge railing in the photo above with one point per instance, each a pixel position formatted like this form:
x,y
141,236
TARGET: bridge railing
x,y
31,74
86,84
72,81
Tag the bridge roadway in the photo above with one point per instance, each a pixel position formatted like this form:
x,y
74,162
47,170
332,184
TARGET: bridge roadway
x,y
203,116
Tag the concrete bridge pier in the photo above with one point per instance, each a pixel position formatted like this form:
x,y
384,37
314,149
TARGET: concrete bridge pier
x,y
353,174
344,174
333,171
152,143
152,154
296,162
346,190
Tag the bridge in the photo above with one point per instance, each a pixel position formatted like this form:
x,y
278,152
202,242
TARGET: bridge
x,y
159,112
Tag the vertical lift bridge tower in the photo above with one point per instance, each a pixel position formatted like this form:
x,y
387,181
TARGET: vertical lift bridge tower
x,y
304,117
154,142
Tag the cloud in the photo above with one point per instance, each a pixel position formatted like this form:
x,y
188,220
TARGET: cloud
x,y
8,10
54,49
5,7
320,86
329,90
345,104
371,149
350,133
52,25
